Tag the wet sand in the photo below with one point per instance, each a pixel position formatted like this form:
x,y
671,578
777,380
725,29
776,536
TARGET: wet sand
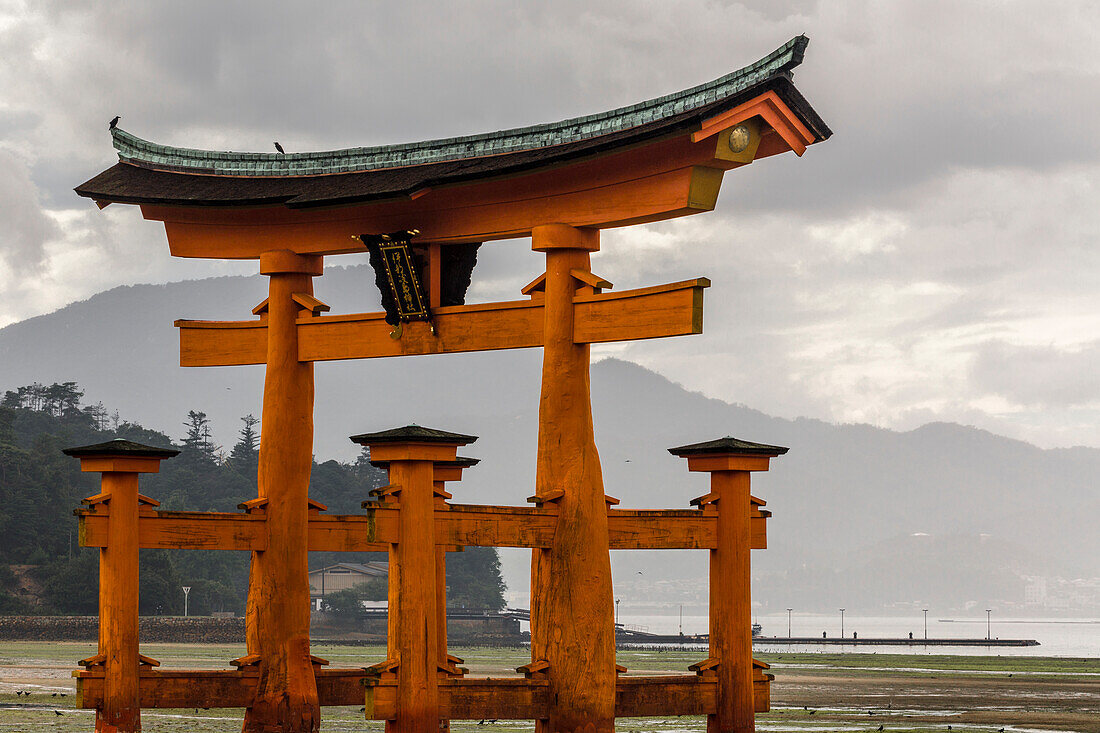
x,y
861,700
811,692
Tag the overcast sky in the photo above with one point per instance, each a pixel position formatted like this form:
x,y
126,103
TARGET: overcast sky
x,y
936,259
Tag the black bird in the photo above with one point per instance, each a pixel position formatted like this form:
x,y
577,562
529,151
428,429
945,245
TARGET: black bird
x,y
880,727
58,712
114,122
280,148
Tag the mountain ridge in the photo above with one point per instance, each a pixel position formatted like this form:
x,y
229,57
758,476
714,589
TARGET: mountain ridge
x,y
840,491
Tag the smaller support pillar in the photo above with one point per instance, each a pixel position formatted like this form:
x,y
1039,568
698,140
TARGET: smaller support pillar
x,y
729,462
411,454
446,471
119,462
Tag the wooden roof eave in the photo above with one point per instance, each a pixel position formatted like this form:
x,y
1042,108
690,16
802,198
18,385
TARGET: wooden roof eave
x,y
579,130
659,177
295,190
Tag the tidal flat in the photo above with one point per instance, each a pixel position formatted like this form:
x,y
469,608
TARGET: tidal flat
x,y
811,692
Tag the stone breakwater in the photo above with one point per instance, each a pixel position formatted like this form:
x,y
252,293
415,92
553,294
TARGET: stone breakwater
x,y
151,629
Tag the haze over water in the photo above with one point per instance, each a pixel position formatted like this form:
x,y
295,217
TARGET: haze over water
x,y
1057,637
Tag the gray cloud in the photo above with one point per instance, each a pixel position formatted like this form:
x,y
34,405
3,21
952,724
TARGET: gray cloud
x,y
950,220
1039,376
25,227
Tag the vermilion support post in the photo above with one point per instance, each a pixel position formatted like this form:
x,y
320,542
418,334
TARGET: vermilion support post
x,y
572,603
729,462
413,641
277,619
445,471
119,462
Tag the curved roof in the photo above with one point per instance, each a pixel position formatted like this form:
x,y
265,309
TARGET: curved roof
x,y
141,152
151,173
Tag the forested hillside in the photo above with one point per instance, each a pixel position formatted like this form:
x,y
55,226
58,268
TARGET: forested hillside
x,y
42,567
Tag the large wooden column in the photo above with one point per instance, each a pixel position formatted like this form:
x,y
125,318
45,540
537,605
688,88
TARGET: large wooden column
x,y
729,462
277,622
572,605
413,641
119,462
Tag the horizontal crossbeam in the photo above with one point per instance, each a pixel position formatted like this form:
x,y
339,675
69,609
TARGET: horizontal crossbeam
x,y
456,525
675,309
182,530
463,698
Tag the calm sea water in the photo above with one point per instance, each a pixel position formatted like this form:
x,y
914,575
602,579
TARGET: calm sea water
x,y
1062,637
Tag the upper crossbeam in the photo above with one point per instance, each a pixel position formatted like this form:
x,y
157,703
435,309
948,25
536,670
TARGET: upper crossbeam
x,y
675,309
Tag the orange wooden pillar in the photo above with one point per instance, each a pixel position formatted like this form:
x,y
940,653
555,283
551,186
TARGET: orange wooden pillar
x,y
572,604
446,471
413,641
119,462
729,462
277,620
448,666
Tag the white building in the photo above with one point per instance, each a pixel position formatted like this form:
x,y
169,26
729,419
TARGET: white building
x,y
341,576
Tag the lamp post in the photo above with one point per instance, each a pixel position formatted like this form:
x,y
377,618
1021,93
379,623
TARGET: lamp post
x,y
617,611
925,623
789,622
842,623
186,593
988,636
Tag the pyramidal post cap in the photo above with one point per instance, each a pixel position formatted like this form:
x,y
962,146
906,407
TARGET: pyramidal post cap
x,y
728,445
413,434
120,447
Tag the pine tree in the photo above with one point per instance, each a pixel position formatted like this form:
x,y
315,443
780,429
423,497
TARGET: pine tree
x,y
197,444
247,448
244,459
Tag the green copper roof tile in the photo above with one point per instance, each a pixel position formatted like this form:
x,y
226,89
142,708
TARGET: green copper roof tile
x,y
142,152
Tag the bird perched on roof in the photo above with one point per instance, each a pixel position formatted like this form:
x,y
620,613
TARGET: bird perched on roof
x,y
114,122
280,148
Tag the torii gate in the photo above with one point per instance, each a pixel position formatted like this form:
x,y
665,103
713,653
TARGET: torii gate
x,y
560,184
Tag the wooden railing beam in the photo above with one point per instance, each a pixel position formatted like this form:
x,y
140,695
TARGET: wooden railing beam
x,y
456,525
465,698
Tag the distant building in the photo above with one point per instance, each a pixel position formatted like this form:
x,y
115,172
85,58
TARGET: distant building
x,y
341,576
1035,592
